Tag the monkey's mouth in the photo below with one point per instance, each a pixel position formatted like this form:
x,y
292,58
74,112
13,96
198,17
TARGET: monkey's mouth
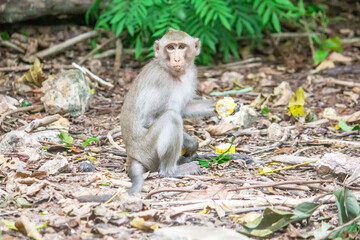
x,y
177,68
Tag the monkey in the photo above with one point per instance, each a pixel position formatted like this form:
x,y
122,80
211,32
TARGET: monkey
x,y
151,116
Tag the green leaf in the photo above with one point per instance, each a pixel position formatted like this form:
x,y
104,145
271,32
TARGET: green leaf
x,y
275,22
333,44
9,224
304,210
203,163
320,55
4,36
266,17
138,47
225,22
347,205
265,110
65,137
344,126
271,221
90,140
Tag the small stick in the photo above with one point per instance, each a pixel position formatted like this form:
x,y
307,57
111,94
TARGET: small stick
x,y
27,67
342,226
206,141
275,145
11,45
91,53
41,122
342,83
92,76
118,55
111,140
64,45
280,183
337,142
170,190
22,109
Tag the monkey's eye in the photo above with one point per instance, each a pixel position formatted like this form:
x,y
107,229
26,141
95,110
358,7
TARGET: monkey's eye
x,y
170,47
181,46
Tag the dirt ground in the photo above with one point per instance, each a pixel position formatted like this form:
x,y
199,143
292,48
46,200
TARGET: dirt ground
x,y
63,205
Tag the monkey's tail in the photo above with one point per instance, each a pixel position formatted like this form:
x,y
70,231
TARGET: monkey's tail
x,y
115,131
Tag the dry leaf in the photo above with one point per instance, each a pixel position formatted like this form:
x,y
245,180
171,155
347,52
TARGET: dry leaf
x,y
34,75
221,128
338,57
140,223
325,64
243,219
285,93
24,225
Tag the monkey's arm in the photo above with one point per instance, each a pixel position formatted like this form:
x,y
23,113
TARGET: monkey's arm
x,y
198,108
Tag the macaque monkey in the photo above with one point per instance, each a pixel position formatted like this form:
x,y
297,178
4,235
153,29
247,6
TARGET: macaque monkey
x,y
151,117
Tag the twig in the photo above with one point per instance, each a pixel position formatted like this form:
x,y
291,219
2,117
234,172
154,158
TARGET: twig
x,y
342,83
275,145
40,122
111,140
92,76
280,183
22,109
170,190
27,67
64,45
112,52
8,213
206,141
11,45
336,142
91,53
118,54
341,227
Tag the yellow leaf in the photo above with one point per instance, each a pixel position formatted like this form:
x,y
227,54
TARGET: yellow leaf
x,y
206,209
337,127
297,102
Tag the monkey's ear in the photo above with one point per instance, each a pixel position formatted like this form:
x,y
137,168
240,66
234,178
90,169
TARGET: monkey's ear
x,y
157,48
197,46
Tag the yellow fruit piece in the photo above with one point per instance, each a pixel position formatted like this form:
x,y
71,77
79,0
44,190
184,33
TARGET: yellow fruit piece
x,y
183,151
223,147
225,106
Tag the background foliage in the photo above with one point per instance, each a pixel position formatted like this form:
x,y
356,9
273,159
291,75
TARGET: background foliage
x,y
218,23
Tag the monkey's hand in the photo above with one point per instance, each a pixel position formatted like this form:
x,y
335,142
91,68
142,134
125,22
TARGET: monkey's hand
x,y
199,108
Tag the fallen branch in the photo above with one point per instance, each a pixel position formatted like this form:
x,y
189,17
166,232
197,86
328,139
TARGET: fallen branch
x,y
40,122
342,83
206,141
118,54
22,109
336,142
280,183
11,45
341,227
111,140
27,67
92,76
91,53
64,45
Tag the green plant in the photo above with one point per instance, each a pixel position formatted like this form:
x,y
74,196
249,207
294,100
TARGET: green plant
x,y
218,23
314,17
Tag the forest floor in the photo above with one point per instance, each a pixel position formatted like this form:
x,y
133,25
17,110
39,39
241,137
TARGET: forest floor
x,y
320,154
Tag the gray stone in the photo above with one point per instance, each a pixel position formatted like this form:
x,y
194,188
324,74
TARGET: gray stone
x,y
66,92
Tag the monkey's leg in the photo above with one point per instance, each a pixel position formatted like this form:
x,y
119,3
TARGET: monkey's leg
x,y
190,145
135,172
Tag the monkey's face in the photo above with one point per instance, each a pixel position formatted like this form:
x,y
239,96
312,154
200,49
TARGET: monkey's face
x,y
176,56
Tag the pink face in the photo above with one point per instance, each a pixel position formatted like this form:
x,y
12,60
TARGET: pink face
x,y
176,53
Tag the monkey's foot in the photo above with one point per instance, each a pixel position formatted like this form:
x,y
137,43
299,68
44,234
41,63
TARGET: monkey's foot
x,y
191,168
